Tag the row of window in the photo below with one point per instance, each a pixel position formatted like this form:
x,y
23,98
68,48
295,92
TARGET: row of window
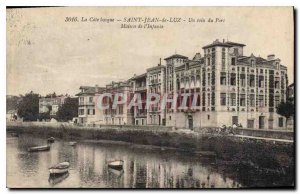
x,y
89,112
260,100
90,100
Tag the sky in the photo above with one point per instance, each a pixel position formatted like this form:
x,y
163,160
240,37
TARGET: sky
x,y
47,54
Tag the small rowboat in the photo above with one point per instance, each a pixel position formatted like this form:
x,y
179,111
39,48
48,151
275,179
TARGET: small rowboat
x,y
59,168
39,148
72,143
116,164
51,140
14,134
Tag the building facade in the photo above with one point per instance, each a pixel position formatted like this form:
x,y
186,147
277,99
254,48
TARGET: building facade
x,y
51,104
222,86
233,88
139,85
119,115
156,77
86,104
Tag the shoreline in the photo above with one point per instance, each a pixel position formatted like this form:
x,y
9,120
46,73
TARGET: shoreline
x,y
255,155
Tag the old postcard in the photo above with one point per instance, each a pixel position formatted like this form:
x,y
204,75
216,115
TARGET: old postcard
x,y
150,97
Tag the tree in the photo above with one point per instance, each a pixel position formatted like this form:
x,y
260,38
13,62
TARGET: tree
x,y
53,95
12,102
286,109
68,110
28,108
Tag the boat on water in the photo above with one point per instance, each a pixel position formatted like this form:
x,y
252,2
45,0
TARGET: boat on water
x,y
72,143
116,164
39,148
51,140
14,134
60,168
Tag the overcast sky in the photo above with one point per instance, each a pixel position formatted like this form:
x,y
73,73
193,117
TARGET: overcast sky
x,y
46,54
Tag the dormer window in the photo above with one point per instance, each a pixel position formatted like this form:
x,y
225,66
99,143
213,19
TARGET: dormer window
x,y
252,62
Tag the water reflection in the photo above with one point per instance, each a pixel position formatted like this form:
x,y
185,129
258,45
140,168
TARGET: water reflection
x,y
55,179
88,167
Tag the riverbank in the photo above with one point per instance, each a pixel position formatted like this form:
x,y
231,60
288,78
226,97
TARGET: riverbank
x,y
251,155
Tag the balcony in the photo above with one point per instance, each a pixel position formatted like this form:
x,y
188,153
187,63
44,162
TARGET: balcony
x,y
86,103
141,88
141,115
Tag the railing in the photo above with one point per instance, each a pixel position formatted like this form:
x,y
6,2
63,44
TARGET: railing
x,y
86,103
140,88
141,115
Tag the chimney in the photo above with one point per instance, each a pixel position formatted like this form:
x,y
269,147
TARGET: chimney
x,y
160,61
96,88
271,57
223,40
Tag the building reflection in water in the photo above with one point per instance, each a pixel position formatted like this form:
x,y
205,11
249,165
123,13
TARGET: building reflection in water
x,y
145,170
88,167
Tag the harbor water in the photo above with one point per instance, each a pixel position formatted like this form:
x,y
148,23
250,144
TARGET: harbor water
x,y
143,168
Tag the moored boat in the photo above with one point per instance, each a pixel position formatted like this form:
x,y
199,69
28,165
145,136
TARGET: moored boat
x,y
59,168
72,143
39,148
116,164
51,140
14,134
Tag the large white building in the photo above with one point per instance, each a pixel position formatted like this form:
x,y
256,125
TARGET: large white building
x,y
231,89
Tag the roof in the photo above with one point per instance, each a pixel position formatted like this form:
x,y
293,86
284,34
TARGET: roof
x,y
11,111
144,75
291,85
224,44
89,90
176,56
235,43
85,87
217,44
155,67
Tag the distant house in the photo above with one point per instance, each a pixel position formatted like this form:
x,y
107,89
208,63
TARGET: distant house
x,y
51,104
86,104
12,115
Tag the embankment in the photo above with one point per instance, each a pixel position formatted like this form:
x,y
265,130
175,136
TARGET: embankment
x,y
268,159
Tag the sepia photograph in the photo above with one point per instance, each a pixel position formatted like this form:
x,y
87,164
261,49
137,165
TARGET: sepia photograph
x,y
150,97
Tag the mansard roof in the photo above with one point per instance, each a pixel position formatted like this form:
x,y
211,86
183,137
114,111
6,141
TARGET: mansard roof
x,y
258,61
89,90
144,75
176,56
235,43
224,44
155,67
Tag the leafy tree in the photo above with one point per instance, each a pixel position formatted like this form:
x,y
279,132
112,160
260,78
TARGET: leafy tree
x,y
44,116
68,110
12,102
286,109
28,108
53,95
